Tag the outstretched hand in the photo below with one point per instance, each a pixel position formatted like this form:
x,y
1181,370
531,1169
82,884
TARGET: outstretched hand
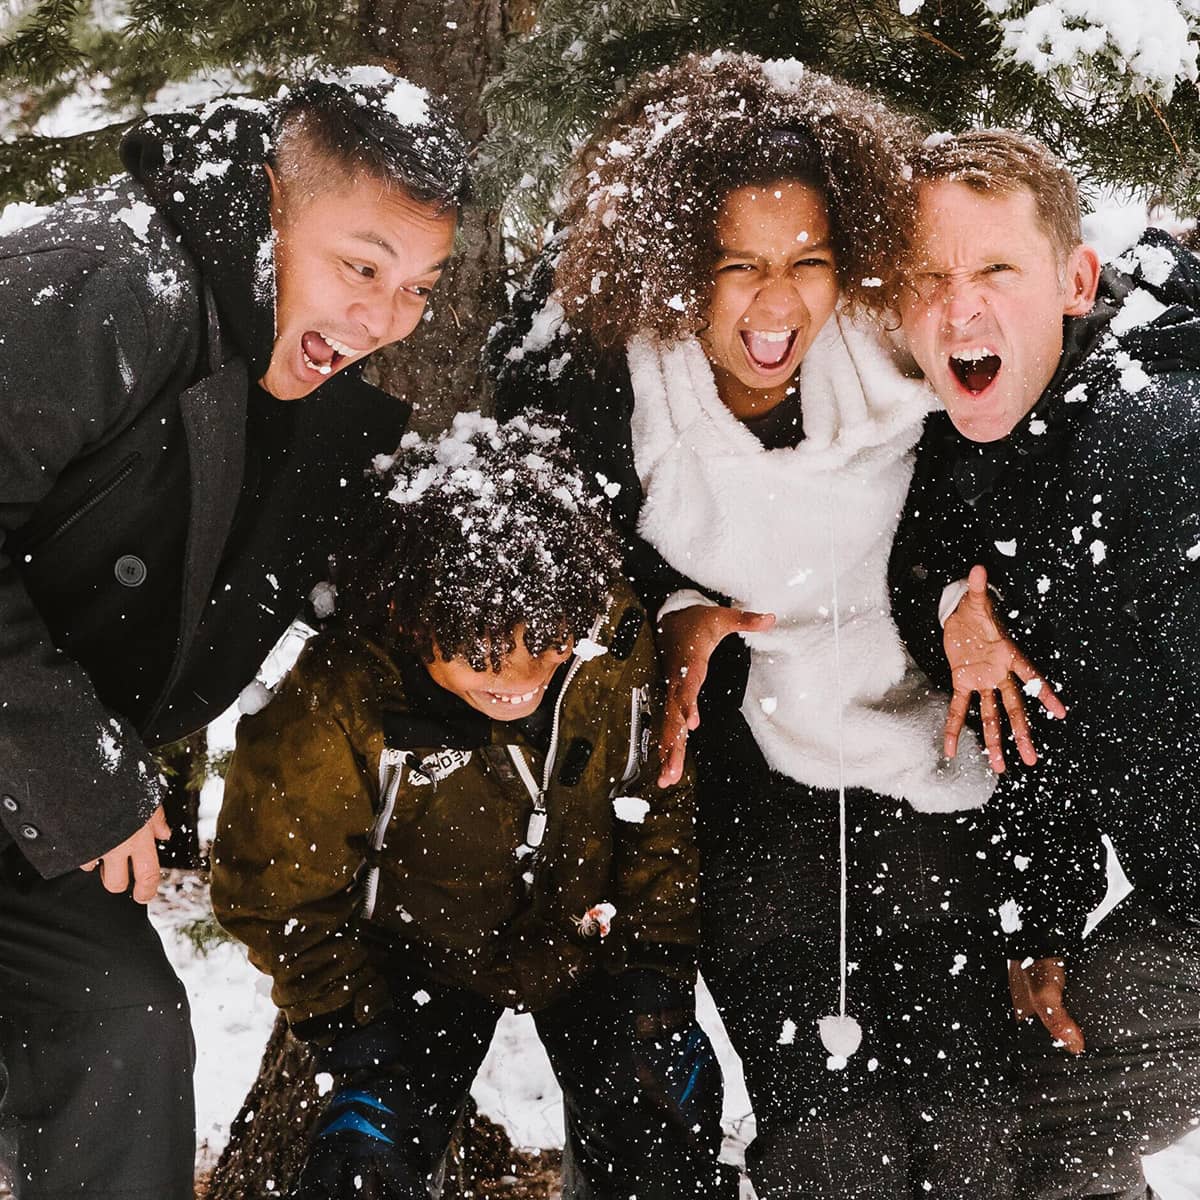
x,y
1037,991
686,641
985,660
137,852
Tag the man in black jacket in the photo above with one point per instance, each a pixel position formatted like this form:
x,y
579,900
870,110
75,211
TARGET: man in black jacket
x,y
1065,475
162,515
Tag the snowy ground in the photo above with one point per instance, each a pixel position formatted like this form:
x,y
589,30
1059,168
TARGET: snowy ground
x,y
232,1016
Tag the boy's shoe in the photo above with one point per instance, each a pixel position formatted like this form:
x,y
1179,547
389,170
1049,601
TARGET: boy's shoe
x,y
362,1150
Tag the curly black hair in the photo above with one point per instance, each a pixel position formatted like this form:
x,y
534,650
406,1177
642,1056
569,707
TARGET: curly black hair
x,y
644,194
486,528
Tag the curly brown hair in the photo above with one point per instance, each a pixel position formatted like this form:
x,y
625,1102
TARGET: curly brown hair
x,y
466,537
645,192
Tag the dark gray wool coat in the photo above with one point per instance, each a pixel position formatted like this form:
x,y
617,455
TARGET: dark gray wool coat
x,y
1087,517
161,519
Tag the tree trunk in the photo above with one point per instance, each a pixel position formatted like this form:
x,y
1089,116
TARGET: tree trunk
x,y
449,46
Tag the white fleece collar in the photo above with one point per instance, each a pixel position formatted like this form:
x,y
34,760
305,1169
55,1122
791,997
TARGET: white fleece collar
x,y
768,527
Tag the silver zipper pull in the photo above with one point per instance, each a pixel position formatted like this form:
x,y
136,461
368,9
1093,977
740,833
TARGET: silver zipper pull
x,y
536,829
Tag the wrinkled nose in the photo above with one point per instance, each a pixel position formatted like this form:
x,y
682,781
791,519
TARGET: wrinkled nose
x,y
780,297
962,303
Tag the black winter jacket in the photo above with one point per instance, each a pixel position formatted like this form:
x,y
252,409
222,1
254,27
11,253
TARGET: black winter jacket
x,y
148,560
1087,518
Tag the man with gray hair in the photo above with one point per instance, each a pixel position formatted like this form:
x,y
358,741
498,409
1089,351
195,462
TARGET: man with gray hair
x,y
163,512
1063,483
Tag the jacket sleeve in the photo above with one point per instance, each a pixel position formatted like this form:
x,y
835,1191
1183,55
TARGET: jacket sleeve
x,y
1162,540
75,777
290,839
657,862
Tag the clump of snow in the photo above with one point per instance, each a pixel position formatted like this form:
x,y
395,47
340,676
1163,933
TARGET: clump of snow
x,y
19,215
586,649
784,74
403,99
1154,262
324,1082
323,599
1193,553
787,1035
542,331
422,997
768,704
1010,916
137,216
1151,42
1133,378
630,808
109,744
1008,549
1140,308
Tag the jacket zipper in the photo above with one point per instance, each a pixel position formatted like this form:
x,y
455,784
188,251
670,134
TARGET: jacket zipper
x,y
536,829
391,771
100,494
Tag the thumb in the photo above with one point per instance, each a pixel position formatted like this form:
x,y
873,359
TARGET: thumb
x,y
1061,1026
751,622
977,580
158,824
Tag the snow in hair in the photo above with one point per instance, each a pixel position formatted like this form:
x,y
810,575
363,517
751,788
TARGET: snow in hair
x,y
645,192
480,530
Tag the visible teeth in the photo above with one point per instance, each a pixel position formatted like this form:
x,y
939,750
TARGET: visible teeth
x,y
325,368
340,347
524,698
974,355
772,335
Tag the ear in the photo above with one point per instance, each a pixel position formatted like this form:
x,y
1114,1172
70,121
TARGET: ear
x,y
1082,279
276,196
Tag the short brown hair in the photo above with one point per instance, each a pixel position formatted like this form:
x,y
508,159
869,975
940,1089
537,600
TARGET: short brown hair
x,y
365,121
1003,161
644,194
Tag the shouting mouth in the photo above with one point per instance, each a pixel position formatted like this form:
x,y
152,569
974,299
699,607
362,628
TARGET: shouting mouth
x,y
768,349
976,369
325,354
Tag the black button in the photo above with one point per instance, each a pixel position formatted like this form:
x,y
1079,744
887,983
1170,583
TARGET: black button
x,y
10,803
130,571
29,832
920,572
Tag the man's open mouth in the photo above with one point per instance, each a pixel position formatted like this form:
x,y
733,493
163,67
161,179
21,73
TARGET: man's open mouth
x,y
976,369
324,353
768,349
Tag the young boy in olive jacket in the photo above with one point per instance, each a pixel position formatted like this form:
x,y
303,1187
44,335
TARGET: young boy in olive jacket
x,y
447,810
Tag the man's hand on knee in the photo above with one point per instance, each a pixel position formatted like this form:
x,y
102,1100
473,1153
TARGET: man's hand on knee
x,y
136,857
1036,987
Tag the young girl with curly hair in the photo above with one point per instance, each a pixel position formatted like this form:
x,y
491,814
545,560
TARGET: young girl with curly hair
x,y
705,322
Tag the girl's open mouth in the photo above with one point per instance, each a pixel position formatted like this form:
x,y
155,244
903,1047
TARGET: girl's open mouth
x,y
768,350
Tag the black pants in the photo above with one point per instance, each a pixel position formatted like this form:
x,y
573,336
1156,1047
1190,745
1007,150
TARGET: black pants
x,y
625,1138
95,1045
923,1108
1086,1121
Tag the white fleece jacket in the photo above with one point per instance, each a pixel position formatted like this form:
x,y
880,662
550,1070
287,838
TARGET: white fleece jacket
x,y
786,531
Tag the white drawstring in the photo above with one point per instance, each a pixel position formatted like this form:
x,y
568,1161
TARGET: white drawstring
x,y
840,1035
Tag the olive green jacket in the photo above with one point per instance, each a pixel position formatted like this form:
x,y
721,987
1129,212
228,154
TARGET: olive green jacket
x,y
351,814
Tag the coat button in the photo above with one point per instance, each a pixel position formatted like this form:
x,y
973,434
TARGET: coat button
x,y
29,832
130,570
920,572
10,803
